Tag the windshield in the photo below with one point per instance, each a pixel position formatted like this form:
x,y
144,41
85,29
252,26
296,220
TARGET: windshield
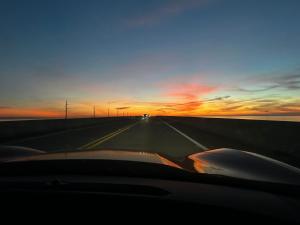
x,y
174,78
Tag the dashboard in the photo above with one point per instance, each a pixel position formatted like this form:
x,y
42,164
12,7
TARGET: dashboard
x,y
110,195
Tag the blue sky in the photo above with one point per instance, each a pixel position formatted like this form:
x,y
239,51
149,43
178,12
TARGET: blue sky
x,y
140,54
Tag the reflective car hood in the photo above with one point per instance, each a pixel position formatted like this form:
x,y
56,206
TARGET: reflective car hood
x,y
101,155
246,165
227,162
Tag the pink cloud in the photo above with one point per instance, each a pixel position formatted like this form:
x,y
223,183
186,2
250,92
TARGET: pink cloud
x,y
188,91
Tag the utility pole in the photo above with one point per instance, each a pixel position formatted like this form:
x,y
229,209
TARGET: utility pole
x,y
66,110
108,109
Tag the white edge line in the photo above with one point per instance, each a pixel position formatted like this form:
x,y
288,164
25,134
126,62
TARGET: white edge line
x,y
187,137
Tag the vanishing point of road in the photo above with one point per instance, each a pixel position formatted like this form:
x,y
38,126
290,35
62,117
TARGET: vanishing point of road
x,y
147,135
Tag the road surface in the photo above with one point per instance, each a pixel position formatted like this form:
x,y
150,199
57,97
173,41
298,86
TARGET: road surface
x,y
151,135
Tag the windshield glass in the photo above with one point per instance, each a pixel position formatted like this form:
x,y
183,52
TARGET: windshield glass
x,y
171,77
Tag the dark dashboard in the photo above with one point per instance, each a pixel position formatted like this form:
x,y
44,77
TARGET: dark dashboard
x,y
111,196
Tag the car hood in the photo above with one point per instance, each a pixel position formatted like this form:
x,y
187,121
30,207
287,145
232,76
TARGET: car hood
x,y
225,162
117,155
246,165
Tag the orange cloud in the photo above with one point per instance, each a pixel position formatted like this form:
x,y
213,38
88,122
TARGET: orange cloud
x,y
13,112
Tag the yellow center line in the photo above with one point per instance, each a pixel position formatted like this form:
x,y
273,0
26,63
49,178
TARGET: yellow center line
x,y
100,140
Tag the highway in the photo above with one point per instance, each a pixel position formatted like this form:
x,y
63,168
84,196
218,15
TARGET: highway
x,y
151,135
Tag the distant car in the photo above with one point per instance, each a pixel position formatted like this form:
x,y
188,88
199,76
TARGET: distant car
x,y
145,116
214,185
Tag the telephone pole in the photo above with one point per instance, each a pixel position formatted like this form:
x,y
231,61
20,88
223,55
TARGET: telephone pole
x,y
66,110
108,109
94,111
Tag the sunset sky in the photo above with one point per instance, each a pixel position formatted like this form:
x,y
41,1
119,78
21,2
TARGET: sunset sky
x,y
163,57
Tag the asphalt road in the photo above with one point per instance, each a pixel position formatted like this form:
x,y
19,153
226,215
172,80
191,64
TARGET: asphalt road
x,y
151,135
167,137
171,139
